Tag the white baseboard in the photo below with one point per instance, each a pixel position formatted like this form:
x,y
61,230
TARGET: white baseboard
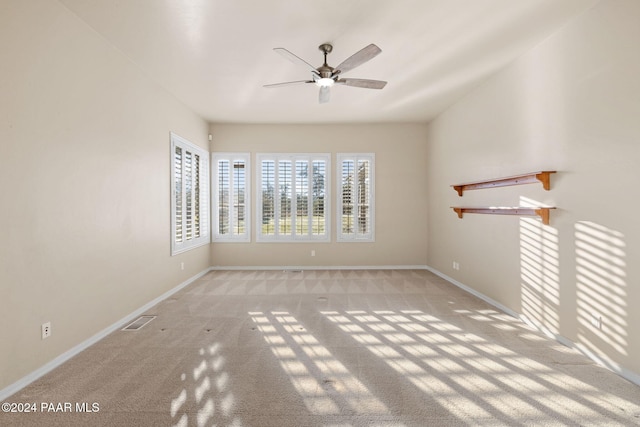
x,y
317,267
604,362
51,365
472,291
600,360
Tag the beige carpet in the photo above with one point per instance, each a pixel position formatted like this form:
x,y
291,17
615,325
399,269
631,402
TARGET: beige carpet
x,y
329,348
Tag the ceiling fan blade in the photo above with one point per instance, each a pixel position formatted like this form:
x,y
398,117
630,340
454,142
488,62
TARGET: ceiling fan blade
x,y
288,83
367,84
358,58
295,59
325,93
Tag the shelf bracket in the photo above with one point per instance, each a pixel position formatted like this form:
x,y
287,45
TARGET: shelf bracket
x,y
545,179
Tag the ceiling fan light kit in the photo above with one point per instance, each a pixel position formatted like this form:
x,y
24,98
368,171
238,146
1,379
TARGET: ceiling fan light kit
x,y
326,76
325,82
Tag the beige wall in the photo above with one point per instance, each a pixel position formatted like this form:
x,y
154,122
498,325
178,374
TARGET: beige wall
x,y
84,144
571,105
400,151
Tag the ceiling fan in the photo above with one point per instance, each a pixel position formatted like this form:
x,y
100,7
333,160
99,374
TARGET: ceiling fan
x,y
326,76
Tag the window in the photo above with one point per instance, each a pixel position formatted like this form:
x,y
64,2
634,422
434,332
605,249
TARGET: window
x,y
190,195
355,211
293,197
230,183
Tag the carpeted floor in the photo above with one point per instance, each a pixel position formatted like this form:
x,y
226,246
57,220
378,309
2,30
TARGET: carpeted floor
x,y
328,348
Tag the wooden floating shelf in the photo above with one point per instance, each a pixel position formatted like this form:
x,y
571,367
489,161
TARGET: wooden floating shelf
x,y
542,212
527,178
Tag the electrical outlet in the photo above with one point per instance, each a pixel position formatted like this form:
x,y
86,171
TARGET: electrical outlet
x,y
46,330
182,266
456,265
313,253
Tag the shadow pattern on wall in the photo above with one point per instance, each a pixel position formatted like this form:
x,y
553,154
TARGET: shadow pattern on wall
x,y
540,274
601,288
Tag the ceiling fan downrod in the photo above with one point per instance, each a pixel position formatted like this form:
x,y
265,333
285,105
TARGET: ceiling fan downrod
x,y
325,71
325,48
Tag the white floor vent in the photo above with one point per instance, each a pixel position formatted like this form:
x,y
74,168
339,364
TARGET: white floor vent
x,y
138,323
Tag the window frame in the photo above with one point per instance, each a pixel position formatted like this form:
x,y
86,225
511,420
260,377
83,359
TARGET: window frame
x,y
355,237
277,237
216,158
201,202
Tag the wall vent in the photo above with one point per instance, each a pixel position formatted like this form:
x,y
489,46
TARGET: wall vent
x,y
138,323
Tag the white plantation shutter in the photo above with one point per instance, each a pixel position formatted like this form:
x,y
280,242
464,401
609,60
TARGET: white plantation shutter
x,y
293,197
190,195
177,194
355,213
231,211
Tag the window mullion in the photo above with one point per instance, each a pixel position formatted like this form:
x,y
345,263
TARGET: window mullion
x,y
222,211
177,219
277,197
310,200
197,230
294,198
232,197
184,197
356,195
195,188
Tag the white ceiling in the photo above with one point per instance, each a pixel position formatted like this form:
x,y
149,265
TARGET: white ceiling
x,y
215,55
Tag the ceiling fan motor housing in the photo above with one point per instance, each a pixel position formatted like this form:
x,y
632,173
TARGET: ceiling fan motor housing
x,y
325,72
